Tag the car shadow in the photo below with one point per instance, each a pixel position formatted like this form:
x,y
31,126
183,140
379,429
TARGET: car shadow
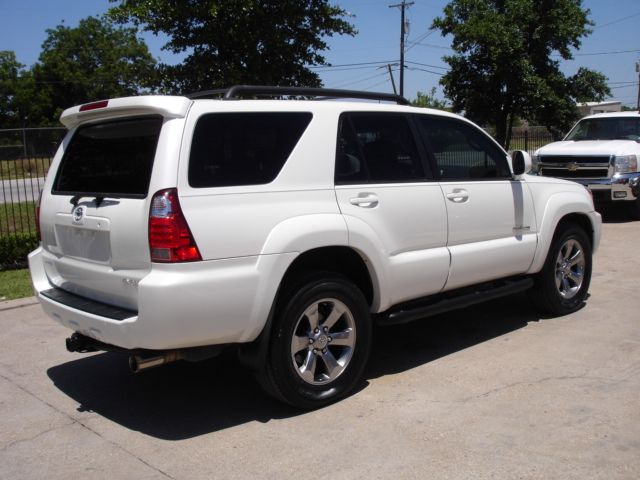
x,y
184,400
174,402
403,347
614,213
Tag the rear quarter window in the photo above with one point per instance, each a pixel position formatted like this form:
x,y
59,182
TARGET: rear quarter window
x,y
246,148
110,158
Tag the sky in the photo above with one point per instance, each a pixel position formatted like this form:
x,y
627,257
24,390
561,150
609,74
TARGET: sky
x,y
613,48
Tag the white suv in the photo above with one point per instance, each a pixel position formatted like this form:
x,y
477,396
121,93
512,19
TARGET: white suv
x,y
173,227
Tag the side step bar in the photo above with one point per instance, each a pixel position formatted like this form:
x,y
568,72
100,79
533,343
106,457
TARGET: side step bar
x,y
453,301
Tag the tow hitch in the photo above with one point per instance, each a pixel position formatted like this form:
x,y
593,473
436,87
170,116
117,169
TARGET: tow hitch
x,y
81,343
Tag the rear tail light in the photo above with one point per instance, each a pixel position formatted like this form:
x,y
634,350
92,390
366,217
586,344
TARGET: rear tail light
x,y
170,240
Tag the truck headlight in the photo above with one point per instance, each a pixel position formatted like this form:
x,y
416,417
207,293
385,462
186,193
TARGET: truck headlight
x,y
626,164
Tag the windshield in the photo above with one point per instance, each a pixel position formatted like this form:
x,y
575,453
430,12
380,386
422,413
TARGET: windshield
x,y
621,128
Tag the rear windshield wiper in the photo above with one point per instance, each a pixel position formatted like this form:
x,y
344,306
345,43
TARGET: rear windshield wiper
x,y
76,198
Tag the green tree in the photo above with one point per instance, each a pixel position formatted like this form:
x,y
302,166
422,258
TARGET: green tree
x,y
503,64
429,100
229,42
20,100
92,61
10,74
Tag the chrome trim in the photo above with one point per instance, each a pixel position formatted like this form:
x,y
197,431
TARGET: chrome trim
x,y
620,182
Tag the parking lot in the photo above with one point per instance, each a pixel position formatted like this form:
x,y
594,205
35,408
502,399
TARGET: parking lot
x,y
492,391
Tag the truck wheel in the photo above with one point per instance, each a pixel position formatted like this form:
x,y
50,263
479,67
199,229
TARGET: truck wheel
x,y
562,285
320,343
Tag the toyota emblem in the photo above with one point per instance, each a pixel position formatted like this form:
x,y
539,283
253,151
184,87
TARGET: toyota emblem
x,y
78,214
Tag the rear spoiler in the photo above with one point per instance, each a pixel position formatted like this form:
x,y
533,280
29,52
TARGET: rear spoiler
x,y
167,106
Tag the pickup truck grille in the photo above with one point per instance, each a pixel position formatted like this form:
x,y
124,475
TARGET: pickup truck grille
x,y
580,173
590,159
574,166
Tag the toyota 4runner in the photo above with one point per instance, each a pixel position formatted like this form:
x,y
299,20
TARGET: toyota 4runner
x,y
173,227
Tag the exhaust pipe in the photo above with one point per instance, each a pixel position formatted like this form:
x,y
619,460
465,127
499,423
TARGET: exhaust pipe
x,y
138,362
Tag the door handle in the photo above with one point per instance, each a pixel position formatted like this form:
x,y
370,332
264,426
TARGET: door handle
x,y
364,200
459,195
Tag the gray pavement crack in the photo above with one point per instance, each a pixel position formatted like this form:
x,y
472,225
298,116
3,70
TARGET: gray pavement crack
x,y
83,425
39,434
583,376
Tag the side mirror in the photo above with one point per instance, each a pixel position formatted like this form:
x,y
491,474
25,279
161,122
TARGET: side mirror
x,y
520,162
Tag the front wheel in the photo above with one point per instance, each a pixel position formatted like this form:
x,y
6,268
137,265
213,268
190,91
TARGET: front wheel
x,y
320,343
562,285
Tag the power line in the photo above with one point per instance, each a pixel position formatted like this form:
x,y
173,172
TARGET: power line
x,y
426,65
428,71
351,64
418,39
348,69
634,85
342,85
617,21
386,80
351,81
602,53
431,45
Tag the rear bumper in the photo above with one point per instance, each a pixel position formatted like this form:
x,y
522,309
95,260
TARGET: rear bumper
x,y
621,187
179,306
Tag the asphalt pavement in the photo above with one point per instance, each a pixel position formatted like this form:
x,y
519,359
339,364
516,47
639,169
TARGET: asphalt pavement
x,y
490,392
20,190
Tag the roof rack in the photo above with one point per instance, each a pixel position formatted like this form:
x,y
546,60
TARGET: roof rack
x,y
239,91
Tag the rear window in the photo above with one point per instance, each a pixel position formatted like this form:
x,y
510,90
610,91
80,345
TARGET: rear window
x,y
243,148
111,158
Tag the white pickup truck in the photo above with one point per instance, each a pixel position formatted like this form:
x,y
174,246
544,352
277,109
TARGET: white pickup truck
x,y
174,227
601,152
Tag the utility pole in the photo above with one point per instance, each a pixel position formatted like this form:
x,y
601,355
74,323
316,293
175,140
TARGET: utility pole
x,y
393,82
402,6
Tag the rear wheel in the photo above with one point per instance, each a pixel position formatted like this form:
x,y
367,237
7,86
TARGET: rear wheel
x,y
320,343
562,285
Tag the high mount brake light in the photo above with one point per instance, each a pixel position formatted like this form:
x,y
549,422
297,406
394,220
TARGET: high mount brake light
x,y
170,240
94,105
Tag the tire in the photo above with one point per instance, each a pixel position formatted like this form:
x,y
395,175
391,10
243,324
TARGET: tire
x,y
320,343
562,285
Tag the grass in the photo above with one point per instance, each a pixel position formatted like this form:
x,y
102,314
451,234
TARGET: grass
x,y
15,284
17,217
24,168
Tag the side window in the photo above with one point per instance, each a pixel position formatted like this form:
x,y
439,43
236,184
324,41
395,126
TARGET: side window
x,y
376,148
461,151
249,148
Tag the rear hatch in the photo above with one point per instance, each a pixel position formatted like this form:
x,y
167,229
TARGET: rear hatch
x,y
95,206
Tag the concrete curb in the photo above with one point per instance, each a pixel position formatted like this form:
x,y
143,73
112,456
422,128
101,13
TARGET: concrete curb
x,y
18,303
